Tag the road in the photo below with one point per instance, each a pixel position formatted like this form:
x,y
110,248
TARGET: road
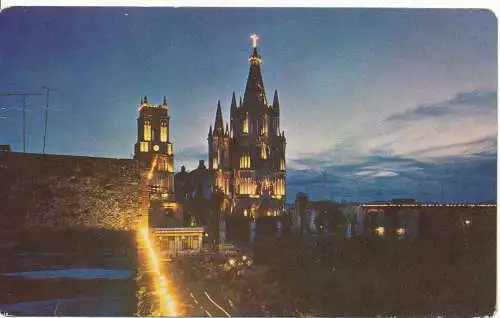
x,y
195,300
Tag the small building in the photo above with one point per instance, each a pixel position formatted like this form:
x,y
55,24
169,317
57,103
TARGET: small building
x,y
179,241
5,148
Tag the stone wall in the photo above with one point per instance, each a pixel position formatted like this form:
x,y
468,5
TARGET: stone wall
x,y
67,192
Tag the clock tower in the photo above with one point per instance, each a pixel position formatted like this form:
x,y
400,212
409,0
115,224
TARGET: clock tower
x,y
154,150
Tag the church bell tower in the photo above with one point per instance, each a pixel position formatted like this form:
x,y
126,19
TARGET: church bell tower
x,y
154,149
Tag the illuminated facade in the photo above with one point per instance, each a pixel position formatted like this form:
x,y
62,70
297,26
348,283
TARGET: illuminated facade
x,y
247,157
154,149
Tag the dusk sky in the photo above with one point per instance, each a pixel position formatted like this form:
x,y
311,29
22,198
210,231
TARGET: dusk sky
x,y
375,104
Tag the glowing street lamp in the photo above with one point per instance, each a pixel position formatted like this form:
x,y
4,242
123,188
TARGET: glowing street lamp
x,y
380,231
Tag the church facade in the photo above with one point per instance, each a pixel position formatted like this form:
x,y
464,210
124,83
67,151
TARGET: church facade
x,y
247,155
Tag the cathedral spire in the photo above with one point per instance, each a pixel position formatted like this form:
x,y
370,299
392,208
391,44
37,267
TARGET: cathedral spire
x,y
276,102
254,92
233,102
227,129
210,131
218,128
164,100
145,99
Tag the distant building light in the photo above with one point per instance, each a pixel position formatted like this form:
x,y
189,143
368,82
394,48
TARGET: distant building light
x,y
467,222
401,231
245,213
380,231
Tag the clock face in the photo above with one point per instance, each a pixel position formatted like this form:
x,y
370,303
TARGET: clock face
x,y
156,147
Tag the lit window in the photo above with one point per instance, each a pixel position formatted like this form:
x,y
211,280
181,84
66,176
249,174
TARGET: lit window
x,y
245,213
245,124
264,125
263,152
147,130
282,165
245,162
170,167
169,149
401,231
215,164
163,132
144,146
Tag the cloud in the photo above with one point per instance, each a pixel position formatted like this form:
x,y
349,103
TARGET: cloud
x,y
190,156
471,101
454,179
444,151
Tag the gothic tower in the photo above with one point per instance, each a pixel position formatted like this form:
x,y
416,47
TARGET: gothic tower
x,y
248,157
154,149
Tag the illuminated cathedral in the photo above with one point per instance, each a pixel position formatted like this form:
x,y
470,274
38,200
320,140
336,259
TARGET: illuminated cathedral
x,y
247,156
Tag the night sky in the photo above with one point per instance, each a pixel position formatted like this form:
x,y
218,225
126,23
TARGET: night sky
x,y
376,104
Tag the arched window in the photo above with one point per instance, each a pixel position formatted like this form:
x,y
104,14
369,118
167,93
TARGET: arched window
x,y
163,132
245,161
264,130
245,124
282,165
263,152
147,130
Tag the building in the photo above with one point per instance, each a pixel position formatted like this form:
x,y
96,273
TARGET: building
x,y
247,157
5,148
180,241
154,152
193,190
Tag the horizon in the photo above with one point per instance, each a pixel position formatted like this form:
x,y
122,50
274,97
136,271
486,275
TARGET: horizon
x,y
400,102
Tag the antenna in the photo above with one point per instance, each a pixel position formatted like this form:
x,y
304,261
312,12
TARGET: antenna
x,y
24,95
47,94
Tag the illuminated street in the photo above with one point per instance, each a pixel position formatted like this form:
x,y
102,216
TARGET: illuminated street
x,y
166,304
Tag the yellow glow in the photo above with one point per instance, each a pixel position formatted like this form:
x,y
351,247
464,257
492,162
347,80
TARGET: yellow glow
x,y
153,166
167,304
380,231
268,213
163,132
282,165
264,126
254,38
232,262
169,149
401,231
147,130
144,146
247,187
245,124
215,164
263,152
245,212
279,188
244,257
245,162
156,147
467,222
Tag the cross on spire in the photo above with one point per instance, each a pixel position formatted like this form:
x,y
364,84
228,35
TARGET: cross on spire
x,y
254,38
